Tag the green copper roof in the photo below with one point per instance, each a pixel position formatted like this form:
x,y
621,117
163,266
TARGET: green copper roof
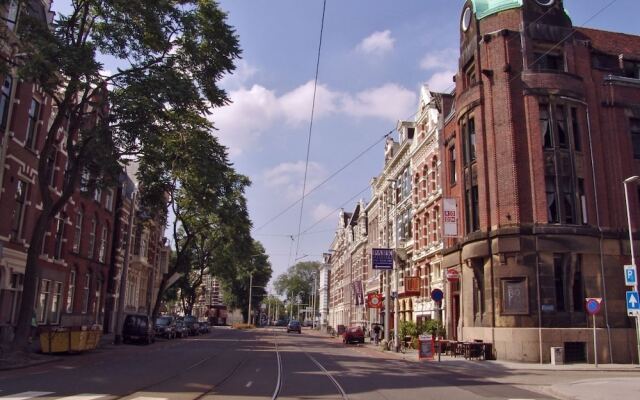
x,y
484,8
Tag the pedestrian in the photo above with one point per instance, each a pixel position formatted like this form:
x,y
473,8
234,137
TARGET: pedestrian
x,y
376,334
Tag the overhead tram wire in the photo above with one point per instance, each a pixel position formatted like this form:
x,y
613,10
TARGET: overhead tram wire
x,y
318,186
313,108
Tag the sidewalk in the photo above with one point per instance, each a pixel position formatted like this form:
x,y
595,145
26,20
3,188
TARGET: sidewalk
x,y
589,389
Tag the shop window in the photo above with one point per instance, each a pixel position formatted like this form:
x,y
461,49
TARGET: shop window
x,y
578,285
559,278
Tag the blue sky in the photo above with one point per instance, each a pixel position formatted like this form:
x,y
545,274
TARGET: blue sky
x,y
375,56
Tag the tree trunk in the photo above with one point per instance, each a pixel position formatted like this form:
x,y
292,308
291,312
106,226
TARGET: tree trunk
x,y
30,287
161,289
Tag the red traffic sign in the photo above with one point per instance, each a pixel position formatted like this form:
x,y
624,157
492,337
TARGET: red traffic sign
x,y
374,300
453,275
593,305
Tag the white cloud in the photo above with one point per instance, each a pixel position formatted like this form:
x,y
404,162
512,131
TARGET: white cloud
x,y
240,77
321,211
442,81
288,178
256,110
377,43
391,102
440,60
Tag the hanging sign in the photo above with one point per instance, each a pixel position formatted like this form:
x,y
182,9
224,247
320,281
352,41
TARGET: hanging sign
x,y
382,258
374,300
450,217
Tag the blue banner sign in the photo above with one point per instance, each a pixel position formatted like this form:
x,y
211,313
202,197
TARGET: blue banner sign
x,y
382,258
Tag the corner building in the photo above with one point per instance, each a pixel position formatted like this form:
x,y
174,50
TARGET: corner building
x,y
545,129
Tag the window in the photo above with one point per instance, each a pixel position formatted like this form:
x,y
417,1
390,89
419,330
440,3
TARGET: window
x,y
32,124
5,101
86,293
470,76
434,174
71,292
51,168
575,127
561,127
77,235
109,200
472,206
545,127
453,177
583,200
634,124
97,309
577,288
559,280
515,296
17,218
547,58
631,69
15,297
97,195
54,310
568,199
43,301
12,15
85,180
102,254
92,238
469,141
552,199
59,235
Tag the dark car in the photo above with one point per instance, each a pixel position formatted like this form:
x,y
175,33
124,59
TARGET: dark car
x,y
353,334
138,328
166,327
192,325
181,330
281,322
294,326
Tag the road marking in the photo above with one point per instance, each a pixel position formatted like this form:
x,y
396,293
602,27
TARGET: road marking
x,y
335,382
249,384
25,395
84,397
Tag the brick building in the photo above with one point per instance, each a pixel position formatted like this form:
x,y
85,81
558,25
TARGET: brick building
x,y
82,254
544,132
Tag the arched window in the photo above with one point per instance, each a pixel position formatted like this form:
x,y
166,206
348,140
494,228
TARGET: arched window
x,y
436,212
416,188
425,230
434,226
417,233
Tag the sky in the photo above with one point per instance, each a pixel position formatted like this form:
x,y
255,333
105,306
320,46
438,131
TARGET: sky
x,y
375,56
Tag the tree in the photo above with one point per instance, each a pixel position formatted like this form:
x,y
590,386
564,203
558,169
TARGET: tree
x,y
171,56
298,280
256,269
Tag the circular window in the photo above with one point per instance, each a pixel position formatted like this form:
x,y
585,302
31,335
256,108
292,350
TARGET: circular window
x,y
545,2
466,19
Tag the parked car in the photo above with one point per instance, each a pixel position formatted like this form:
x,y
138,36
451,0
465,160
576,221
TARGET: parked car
x,y
138,328
353,334
166,327
294,326
204,327
308,323
192,325
281,322
181,330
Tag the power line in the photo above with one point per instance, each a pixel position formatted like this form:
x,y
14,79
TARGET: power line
x,y
313,108
318,186
335,210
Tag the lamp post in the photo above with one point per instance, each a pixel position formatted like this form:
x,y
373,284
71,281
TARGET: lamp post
x,y
249,305
627,181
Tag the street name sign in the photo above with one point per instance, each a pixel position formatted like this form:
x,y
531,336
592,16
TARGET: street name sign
x,y
630,275
633,304
382,258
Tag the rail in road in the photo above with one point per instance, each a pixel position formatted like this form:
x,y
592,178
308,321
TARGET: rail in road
x,y
279,384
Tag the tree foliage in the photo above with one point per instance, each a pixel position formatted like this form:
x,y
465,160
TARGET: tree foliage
x,y
298,281
257,270
171,55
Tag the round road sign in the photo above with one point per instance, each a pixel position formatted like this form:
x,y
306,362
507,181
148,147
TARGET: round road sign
x,y
593,305
437,295
453,275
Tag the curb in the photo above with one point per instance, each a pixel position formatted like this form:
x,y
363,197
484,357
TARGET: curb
x,y
35,363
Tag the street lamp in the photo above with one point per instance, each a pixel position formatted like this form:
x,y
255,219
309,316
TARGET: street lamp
x,y
627,181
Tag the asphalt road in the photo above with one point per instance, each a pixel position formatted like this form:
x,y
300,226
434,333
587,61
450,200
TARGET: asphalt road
x,y
264,364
